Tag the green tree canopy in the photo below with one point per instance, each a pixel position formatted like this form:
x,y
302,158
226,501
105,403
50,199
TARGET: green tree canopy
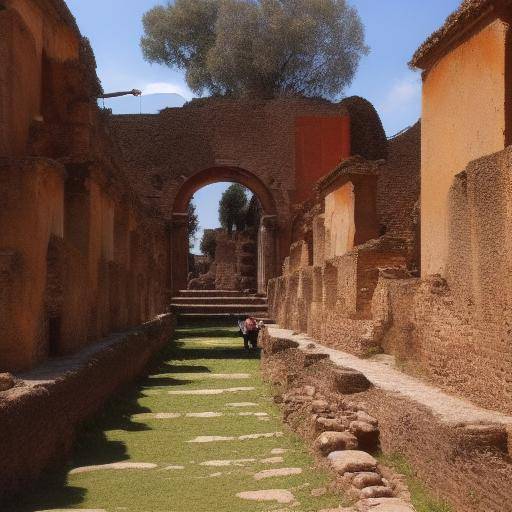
x,y
193,223
232,207
258,47
208,243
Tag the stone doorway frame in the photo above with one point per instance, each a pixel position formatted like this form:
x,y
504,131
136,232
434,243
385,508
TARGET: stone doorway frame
x,y
267,234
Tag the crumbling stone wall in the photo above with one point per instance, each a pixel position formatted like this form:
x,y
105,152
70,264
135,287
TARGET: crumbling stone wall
x,y
466,465
328,297
41,415
81,255
235,264
455,331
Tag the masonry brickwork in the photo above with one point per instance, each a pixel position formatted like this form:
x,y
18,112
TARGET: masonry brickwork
x,y
81,255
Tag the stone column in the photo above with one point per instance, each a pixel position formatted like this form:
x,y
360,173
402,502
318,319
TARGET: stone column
x,y
179,251
266,251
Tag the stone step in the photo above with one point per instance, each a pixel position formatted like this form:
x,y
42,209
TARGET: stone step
x,y
185,317
220,308
211,293
219,300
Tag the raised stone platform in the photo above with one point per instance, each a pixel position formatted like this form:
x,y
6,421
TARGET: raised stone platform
x,y
40,416
461,451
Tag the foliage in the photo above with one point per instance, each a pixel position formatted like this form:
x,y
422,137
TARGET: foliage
x,y
232,207
208,243
263,48
193,223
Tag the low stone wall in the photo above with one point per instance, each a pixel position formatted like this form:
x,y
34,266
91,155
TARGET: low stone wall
x,y
461,452
39,417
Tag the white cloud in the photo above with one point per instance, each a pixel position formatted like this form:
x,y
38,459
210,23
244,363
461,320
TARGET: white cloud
x,y
403,94
167,88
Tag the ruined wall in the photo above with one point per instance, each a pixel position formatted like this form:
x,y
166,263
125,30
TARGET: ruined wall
x,y
465,102
41,415
465,463
398,187
456,332
81,256
327,291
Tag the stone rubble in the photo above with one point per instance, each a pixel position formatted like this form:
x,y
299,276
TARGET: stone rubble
x,y
343,434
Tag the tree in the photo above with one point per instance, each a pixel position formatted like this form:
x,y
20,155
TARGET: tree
x,y
262,48
193,223
232,207
208,243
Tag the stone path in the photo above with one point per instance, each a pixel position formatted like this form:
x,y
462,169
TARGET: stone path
x,y
200,433
446,408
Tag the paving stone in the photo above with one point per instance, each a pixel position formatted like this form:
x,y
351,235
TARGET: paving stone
x,y
280,495
351,461
113,466
210,391
269,473
384,505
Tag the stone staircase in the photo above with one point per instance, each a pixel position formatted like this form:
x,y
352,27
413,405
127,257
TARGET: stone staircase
x,y
218,304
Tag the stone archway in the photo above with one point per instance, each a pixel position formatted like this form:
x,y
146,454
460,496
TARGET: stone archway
x,y
267,240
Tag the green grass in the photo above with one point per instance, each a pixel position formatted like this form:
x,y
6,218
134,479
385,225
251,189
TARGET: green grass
x,y
118,435
421,498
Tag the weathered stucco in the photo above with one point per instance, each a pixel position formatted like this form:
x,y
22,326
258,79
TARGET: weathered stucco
x,y
464,117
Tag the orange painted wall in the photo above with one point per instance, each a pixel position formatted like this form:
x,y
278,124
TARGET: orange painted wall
x,y
464,116
320,144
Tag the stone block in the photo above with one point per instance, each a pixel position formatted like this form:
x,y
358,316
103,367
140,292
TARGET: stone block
x,y
328,442
366,479
349,381
352,461
384,505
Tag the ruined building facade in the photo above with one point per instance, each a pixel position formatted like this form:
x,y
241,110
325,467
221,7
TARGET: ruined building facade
x,y
80,254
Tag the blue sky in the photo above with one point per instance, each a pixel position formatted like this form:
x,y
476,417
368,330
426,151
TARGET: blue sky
x,y
394,29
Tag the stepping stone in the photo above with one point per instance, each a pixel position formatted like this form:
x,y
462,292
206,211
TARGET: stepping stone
x,y
211,439
272,460
222,463
278,451
210,391
279,495
269,473
204,415
352,461
115,465
384,505
257,414
173,468
241,404
227,376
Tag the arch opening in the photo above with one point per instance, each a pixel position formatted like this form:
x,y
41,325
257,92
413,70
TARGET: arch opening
x,y
243,260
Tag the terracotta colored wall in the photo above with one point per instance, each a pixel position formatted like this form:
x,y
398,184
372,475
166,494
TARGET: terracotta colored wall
x,y
464,101
32,198
20,83
321,143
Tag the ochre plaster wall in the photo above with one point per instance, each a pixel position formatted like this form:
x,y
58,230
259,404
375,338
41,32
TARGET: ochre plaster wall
x,y
339,221
464,102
